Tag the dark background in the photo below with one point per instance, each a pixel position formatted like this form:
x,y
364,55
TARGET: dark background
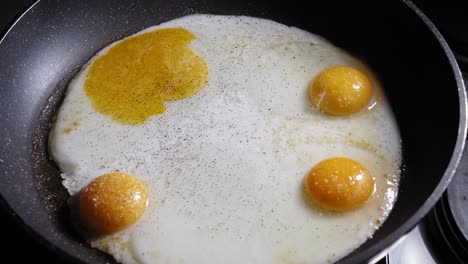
x,y
449,16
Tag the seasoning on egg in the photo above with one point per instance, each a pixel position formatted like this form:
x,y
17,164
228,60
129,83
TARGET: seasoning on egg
x,y
227,163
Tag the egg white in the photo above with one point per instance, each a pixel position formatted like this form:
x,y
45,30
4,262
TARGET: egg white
x,y
225,167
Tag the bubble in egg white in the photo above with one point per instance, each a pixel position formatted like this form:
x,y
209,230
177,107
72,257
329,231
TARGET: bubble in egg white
x,y
225,167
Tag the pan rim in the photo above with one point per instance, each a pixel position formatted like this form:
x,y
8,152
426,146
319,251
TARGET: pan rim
x,y
382,247
16,20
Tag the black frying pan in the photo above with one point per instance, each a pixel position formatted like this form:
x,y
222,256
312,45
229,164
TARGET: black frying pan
x,y
49,44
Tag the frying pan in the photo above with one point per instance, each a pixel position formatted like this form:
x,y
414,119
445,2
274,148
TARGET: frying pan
x,y
47,46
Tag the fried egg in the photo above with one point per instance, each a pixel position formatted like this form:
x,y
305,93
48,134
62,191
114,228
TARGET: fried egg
x,y
225,145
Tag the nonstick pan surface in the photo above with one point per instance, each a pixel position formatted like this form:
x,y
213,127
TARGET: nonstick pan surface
x,y
53,39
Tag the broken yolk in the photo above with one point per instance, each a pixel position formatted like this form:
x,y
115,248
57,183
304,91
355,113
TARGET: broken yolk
x,y
131,82
112,202
339,184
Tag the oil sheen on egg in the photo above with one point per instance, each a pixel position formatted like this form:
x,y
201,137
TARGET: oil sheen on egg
x,y
224,163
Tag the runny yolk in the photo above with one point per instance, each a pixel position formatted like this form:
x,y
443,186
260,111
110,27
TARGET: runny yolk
x,y
133,79
339,184
340,90
112,202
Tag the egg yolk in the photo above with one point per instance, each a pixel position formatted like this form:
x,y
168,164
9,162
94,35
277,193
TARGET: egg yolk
x,y
340,90
112,202
131,82
339,184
